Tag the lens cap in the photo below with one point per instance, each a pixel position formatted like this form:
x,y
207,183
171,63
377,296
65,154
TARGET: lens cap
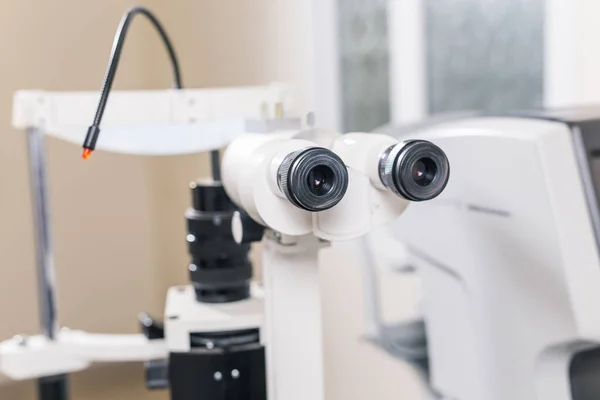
x,y
417,170
313,178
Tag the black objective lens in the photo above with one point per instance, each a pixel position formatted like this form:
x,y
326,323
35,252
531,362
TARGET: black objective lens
x,y
417,170
314,178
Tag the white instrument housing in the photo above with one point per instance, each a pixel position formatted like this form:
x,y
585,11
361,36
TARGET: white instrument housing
x,y
249,173
509,259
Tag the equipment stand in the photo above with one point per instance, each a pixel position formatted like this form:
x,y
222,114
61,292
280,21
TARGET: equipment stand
x,y
50,388
293,317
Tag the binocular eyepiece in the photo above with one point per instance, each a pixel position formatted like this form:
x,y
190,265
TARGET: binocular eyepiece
x,y
289,183
316,179
417,170
313,178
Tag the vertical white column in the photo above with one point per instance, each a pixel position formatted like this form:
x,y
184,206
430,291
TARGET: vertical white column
x,y
572,58
293,328
303,51
560,53
290,54
327,64
408,68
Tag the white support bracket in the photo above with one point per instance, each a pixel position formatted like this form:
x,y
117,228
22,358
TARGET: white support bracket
x,y
33,357
161,122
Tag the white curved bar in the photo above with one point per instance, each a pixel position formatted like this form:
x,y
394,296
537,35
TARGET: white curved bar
x,y
165,122
156,139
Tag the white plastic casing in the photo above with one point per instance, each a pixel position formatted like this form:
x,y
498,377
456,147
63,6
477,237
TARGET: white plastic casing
x,y
362,152
249,182
509,261
184,315
249,175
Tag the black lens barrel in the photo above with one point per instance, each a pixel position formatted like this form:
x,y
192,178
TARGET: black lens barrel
x,y
416,170
313,178
220,269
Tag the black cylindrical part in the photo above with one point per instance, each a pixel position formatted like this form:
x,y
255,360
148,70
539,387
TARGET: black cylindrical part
x,y
53,388
92,137
220,269
210,196
313,178
416,170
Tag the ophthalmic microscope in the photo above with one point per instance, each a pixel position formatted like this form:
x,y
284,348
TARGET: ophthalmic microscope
x,y
295,190
509,258
299,189
308,188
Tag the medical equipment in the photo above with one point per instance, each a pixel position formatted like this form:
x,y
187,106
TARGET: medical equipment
x,y
148,123
297,188
508,255
195,330
278,179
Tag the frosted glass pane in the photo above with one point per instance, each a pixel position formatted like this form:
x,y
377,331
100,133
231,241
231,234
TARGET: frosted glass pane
x,y
484,54
364,64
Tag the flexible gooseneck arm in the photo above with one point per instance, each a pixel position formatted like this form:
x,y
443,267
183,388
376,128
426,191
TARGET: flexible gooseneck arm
x,y
94,130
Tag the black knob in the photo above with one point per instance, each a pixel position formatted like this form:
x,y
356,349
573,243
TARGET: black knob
x,y
210,197
150,327
245,229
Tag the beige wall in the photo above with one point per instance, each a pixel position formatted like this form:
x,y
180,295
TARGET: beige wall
x,y
118,224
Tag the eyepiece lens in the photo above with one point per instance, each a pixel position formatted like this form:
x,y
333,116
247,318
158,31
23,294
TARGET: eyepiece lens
x,y
320,180
313,178
417,170
424,171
